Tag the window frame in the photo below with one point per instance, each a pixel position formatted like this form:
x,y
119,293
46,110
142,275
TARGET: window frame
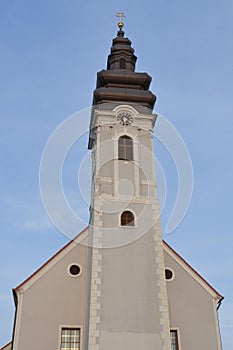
x,y
177,339
70,274
122,63
173,274
128,224
123,148
68,327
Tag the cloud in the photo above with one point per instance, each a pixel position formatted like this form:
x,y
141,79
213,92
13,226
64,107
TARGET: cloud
x,y
26,215
36,224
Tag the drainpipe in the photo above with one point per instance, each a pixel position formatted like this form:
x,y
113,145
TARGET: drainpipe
x,y
219,303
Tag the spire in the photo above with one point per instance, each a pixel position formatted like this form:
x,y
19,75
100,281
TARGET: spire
x,y
120,15
119,83
122,54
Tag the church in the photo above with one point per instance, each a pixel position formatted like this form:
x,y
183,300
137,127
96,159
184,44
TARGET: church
x,y
118,284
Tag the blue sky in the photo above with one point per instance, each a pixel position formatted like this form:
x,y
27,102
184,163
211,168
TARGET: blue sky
x,y
50,53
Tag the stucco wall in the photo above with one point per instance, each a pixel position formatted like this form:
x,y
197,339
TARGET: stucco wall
x,y
130,311
192,310
55,300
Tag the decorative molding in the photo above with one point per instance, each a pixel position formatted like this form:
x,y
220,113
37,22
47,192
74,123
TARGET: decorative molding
x,y
105,128
104,179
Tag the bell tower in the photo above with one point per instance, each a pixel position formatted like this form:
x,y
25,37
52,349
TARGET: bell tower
x,y
127,304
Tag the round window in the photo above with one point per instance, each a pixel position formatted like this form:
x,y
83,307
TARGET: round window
x,y
169,274
74,270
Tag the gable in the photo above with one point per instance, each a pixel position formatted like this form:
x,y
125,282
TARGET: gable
x,y
54,296
175,258
7,346
81,239
55,283
193,304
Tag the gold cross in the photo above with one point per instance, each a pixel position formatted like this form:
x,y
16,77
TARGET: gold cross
x,y
120,15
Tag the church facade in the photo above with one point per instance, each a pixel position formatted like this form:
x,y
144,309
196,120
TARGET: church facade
x,y
118,285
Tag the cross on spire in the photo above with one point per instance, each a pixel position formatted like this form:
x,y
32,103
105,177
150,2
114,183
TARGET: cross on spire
x,y
120,15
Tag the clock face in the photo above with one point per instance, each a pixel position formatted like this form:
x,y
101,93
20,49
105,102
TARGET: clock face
x,y
125,118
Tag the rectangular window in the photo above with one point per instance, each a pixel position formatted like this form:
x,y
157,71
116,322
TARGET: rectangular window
x,y
174,339
70,339
125,148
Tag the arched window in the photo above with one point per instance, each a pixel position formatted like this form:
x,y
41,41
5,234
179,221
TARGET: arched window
x,y
125,148
122,63
127,218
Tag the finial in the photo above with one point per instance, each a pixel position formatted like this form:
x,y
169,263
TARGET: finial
x,y
120,15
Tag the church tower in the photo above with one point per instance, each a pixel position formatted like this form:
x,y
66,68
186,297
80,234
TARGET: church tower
x,y
114,294
127,302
